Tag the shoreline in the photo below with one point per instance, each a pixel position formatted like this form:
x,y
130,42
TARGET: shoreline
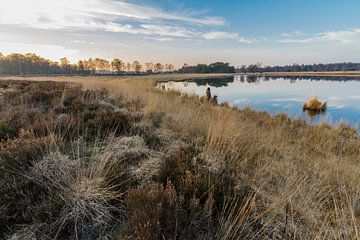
x,y
305,74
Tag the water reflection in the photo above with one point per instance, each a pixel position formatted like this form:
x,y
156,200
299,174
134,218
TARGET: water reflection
x,y
293,79
313,113
284,95
252,79
214,82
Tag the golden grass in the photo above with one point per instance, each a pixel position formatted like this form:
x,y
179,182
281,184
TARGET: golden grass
x,y
306,178
314,105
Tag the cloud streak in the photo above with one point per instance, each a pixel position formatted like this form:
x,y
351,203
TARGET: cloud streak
x,y
225,36
345,36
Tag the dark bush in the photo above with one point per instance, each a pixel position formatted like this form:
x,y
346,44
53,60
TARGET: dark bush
x,y
158,212
6,132
190,176
38,96
18,193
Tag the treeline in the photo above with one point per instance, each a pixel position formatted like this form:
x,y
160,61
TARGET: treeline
x,y
32,64
301,68
217,67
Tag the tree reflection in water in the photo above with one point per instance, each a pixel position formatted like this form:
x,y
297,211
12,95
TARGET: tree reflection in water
x,y
214,82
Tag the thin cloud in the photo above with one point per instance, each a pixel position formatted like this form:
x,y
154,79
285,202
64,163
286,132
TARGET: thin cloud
x,y
216,35
171,31
295,33
161,39
83,42
220,35
53,14
345,36
48,51
148,29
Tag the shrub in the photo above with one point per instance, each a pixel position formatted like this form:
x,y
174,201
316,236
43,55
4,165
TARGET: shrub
x,y
17,191
190,176
39,96
6,132
158,212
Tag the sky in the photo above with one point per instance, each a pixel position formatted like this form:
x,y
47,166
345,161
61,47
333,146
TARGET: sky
x,y
272,32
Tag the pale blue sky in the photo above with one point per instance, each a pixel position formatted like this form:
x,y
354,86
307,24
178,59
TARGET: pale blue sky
x,y
193,31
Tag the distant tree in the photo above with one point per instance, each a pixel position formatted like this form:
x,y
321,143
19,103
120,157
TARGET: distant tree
x,y
2,57
65,64
149,66
32,64
102,65
243,69
117,65
308,68
217,67
295,67
128,67
90,65
137,66
158,67
169,67
252,68
81,66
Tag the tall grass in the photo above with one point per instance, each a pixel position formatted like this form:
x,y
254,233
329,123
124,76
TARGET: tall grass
x,y
305,178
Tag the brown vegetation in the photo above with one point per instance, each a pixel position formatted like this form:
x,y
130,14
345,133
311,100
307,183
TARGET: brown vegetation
x,y
120,159
315,105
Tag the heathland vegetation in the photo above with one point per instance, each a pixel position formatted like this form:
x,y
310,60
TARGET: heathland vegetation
x,y
116,158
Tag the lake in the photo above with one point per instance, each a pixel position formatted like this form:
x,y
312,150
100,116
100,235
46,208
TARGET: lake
x,y
283,95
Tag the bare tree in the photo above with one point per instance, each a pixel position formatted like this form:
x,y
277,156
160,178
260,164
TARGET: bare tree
x,y
128,67
169,67
158,67
81,66
149,66
65,64
90,65
136,66
117,65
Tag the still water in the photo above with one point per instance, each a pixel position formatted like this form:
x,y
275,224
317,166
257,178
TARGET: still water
x,y
284,95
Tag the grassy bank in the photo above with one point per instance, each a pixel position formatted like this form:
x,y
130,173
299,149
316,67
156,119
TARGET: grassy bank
x,y
119,159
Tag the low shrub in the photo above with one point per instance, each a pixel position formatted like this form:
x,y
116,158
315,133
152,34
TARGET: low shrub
x,y
158,212
19,193
6,132
38,96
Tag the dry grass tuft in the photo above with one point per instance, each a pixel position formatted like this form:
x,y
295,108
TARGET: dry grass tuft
x,y
314,105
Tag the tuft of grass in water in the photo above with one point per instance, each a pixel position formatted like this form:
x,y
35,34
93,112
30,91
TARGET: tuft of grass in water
x,y
314,105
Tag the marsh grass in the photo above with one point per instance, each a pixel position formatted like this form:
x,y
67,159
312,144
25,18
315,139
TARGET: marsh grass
x,y
289,180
